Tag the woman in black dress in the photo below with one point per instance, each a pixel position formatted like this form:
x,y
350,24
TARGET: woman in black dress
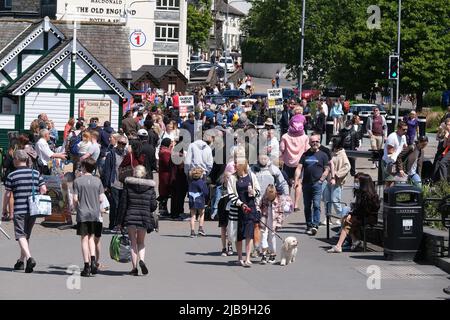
x,y
245,193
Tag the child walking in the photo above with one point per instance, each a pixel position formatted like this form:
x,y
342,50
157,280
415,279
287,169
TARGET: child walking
x,y
88,193
274,209
198,193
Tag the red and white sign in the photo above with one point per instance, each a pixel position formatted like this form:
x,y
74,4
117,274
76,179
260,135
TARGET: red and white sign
x,y
138,38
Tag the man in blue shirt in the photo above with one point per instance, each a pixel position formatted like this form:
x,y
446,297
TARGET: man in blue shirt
x,y
311,172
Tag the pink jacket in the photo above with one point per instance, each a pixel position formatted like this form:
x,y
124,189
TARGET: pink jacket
x,y
292,148
282,206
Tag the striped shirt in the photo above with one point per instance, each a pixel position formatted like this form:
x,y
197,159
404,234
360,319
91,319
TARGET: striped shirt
x,y
20,184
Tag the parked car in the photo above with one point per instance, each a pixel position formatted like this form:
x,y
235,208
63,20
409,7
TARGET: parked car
x,y
199,71
216,99
289,94
258,96
310,94
195,59
366,109
333,91
230,63
233,94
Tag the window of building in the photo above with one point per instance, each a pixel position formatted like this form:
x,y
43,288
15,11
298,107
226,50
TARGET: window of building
x,y
166,60
7,4
167,32
168,4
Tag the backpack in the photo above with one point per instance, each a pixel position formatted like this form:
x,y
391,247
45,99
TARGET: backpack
x,y
73,144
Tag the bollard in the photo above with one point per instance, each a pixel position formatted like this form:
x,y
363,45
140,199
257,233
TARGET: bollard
x,y
329,130
422,125
391,125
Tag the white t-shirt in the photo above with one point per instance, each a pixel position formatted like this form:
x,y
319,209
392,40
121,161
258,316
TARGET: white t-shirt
x,y
43,151
325,109
398,142
94,151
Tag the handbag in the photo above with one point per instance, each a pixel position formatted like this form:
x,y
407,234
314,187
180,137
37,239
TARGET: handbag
x,y
40,205
125,172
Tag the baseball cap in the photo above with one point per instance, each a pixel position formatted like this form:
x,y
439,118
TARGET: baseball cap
x,y
142,133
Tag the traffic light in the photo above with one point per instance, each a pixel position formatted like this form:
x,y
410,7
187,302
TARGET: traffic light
x,y
393,67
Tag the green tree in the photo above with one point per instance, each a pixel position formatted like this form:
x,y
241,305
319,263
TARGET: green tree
x,y
340,48
199,23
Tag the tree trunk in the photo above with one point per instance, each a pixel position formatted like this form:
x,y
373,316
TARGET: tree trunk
x,y
419,102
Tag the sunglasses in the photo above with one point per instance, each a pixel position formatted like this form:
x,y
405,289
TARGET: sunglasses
x,y
121,143
315,142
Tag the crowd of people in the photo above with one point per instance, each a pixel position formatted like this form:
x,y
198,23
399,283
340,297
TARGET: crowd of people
x,y
230,169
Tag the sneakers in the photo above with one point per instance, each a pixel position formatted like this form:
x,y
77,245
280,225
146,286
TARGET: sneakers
x,y
324,222
272,259
224,252
31,263
337,223
143,267
20,265
193,235
446,290
201,232
264,259
335,249
230,249
312,231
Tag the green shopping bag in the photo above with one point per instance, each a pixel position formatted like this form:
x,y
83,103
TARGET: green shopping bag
x,y
119,248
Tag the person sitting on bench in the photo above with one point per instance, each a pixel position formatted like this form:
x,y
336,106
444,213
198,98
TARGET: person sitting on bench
x,y
365,207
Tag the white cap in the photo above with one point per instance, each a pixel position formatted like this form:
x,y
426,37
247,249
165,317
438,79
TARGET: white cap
x,y
142,133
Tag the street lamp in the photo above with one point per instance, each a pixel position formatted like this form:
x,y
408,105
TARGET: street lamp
x,y
302,44
398,53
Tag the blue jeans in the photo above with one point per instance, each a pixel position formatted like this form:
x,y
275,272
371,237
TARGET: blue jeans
x,y
311,196
333,193
215,201
416,180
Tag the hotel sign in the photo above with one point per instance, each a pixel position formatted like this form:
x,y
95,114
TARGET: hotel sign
x,y
106,11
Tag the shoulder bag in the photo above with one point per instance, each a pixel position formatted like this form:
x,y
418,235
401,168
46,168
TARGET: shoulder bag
x,y
40,205
127,171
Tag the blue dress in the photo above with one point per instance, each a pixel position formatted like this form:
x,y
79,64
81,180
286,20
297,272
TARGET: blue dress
x,y
246,222
198,193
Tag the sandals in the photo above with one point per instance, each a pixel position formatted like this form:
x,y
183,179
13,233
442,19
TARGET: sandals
x,y
335,249
356,245
244,264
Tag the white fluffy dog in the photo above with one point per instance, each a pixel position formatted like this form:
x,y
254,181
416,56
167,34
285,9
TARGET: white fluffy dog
x,y
289,250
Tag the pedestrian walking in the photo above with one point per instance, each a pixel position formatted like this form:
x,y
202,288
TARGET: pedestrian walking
x,y
88,193
110,178
245,194
19,187
377,129
137,205
198,194
311,172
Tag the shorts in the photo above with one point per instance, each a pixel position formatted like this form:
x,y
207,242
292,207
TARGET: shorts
x,y
290,171
23,225
90,228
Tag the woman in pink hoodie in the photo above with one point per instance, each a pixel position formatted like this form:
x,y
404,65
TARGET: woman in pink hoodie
x,y
293,145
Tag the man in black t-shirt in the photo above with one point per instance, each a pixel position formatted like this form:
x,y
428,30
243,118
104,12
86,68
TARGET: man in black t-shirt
x,y
312,171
